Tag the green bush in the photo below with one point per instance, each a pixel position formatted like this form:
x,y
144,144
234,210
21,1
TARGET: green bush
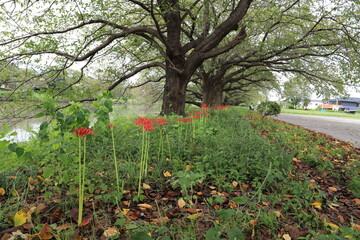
x,y
268,108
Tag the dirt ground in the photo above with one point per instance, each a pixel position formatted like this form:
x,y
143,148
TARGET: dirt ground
x,y
340,128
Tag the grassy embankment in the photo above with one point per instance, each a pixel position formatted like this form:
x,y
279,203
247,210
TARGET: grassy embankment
x,y
319,113
220,176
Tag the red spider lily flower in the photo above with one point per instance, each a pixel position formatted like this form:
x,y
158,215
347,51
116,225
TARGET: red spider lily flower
x,y
161,121
148,127
111,126
195,116
204,105
142,121
199,113
205,108
207,114
145,123
83,132
186,120
183,120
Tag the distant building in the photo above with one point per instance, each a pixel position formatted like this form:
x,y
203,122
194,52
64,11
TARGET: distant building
x,y
314,104
342,104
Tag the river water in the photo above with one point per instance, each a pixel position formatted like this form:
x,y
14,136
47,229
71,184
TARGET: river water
x,y
28,128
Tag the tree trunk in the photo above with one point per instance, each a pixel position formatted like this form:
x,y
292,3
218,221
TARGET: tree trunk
x,y
212,93
176,78
175,88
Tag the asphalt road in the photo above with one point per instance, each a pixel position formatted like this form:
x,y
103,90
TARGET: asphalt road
x,y
341,128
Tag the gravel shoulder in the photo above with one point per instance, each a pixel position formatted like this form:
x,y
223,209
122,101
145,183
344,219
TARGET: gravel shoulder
x,y
341,128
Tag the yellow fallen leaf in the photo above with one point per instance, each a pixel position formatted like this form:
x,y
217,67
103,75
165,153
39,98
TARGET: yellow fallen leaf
x,y
160,220
333,226
11,177
287,196
181,203
145,205
286,237
146,186
253,222
126,192
2,191
212,187
235,184
125,210
167,174
20,218
333,189
194,216
110,232
316,204
32,181
188,167
278,213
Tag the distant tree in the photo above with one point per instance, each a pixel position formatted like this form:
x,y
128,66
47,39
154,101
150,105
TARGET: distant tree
x,y
269,108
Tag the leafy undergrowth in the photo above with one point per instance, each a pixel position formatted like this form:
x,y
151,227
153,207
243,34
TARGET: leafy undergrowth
x,y
214,177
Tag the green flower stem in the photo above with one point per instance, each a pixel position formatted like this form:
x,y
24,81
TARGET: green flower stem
x,y
80,186
168,143
141,161
115,162
81,199
147,147
161,145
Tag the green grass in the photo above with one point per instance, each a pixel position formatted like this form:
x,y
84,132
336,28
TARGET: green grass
x,y
231,179
319,113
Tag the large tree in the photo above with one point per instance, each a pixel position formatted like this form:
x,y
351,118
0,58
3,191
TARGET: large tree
x,y
178,33
310,45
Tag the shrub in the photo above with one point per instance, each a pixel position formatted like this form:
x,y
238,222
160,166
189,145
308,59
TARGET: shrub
x,y
268,108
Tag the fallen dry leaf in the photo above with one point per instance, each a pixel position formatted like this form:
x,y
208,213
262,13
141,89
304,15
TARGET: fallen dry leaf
x,y
125,210
61,227
145,205
160,220
146,186
45,232
341,219
40,208
167,174
316,204
278,213
2,191
110,232
333,226
333,189
194,216
20,218
86,221
356,201
181,203
287,196
286,237
356,227
235,184
188,167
